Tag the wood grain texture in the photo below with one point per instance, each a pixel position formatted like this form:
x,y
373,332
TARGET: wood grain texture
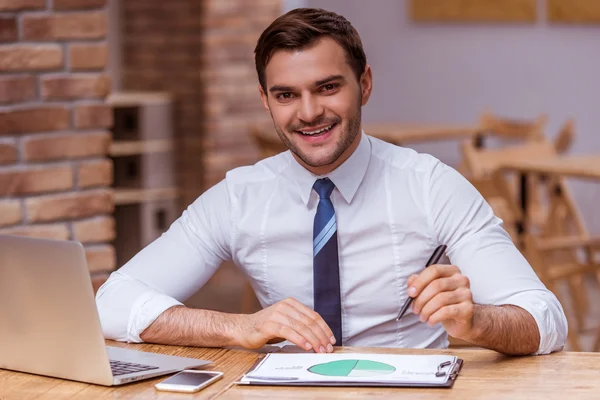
x,y
576,166
402,134
574,11
233,363
521,11
486,374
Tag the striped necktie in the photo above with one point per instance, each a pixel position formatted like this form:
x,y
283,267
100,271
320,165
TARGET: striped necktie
x,y
326,271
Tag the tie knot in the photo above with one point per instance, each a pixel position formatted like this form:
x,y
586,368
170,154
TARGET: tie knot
x,y
323,187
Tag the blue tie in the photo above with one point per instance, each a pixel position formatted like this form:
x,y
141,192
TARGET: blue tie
x,y
326,271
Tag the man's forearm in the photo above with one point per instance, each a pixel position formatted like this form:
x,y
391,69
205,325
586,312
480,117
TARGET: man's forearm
x,y
192,327
507,329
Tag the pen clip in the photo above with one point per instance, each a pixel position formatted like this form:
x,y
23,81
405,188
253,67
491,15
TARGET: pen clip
x,y
440,368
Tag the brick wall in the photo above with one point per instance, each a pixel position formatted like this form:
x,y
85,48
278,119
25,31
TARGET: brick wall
x,y
54,138
202,53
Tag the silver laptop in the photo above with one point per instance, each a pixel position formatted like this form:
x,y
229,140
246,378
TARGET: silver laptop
x,y
49,323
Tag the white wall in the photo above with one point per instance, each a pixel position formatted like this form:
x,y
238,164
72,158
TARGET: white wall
x,y
450,73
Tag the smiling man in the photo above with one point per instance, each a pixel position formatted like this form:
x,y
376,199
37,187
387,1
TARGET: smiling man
x,y
334,233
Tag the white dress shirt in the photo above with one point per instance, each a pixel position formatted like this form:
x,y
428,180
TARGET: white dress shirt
x,y
393,208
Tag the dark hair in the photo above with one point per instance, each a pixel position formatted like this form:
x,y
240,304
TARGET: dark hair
x,y
302,27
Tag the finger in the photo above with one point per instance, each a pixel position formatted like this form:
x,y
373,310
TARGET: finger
x,y
438,286
288,317
430,274
460,312
276,329
411,279
445,299
313,318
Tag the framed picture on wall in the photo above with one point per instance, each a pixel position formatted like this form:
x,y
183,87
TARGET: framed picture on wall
x,y
473,11
574,11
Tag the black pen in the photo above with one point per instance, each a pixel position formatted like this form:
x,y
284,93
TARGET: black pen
x,y
435,257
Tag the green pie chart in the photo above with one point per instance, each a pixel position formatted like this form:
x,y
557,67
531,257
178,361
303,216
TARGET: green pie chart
x,y
352,368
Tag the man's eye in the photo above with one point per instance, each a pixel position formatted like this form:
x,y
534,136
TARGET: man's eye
x,y
285,96
329,87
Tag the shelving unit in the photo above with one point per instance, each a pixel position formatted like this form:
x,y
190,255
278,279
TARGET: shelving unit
x,y
135,196
142,151
134,147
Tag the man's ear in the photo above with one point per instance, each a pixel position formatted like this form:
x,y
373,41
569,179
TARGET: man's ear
x,y
263,97
366,84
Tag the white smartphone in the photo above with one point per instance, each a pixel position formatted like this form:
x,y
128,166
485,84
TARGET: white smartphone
x,y
189,381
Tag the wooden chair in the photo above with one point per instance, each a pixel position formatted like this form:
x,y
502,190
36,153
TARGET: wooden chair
x,y
512,129
553,261
549,229
503,130
501,191
484,172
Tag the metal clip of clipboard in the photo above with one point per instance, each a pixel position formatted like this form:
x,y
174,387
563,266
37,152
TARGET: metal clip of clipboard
x,y
454,369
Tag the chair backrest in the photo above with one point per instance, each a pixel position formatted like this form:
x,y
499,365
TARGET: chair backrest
x,y
484,162
507,128
565,136
268,142
547,196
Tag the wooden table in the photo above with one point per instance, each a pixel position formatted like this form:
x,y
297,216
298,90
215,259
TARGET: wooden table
x,y
485,375
402,134
574,166
577,166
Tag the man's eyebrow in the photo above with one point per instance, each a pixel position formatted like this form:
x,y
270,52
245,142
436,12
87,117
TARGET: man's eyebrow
x,y
329,79
281,88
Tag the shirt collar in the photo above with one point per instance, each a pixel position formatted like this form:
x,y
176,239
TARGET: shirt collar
x,y
347,177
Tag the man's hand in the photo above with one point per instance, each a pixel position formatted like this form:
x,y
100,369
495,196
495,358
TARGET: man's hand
x,y
442,294
288,319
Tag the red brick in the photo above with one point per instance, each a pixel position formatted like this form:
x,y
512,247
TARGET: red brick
x,y
30,57
95,230
8,153
101,258
69,206
93,116
16,5
88,56
18,181
84,25
78,4
77,145
10,212
39,119
8,29
17,88
95,173
75,87
54,231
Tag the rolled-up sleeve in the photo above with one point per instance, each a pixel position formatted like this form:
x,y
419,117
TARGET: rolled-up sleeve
x,y
169,270
485,253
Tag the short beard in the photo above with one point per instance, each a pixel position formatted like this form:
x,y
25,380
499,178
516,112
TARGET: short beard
x,y
342,145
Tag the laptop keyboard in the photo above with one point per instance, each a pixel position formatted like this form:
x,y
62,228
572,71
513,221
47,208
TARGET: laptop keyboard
x,y
122,367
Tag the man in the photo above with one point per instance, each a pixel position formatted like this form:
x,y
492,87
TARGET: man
x,y
334,233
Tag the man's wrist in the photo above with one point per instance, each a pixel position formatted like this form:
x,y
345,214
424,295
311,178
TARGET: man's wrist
x,y
236,333
476,332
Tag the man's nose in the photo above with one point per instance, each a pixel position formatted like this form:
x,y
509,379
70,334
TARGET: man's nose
x,y
310,109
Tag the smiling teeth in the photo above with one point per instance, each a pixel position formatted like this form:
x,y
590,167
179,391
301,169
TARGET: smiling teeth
x,y
317,132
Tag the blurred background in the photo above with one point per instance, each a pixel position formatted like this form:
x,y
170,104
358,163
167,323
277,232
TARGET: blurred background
x,y
117,114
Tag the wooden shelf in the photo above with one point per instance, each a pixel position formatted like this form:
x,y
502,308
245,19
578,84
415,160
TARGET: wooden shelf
x,y
123,148
135,196
136,99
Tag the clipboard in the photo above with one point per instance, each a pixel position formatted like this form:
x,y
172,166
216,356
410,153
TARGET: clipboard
x,y
452,372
